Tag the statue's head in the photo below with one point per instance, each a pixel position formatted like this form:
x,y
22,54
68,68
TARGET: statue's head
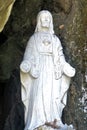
x,y
44,22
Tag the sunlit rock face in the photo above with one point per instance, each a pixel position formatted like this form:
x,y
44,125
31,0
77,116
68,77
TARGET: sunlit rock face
x,y
5,11
70,26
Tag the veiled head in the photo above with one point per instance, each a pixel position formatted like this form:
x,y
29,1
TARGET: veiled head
x,y
44,20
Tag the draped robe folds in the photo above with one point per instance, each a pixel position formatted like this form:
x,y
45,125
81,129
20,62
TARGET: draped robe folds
x,y
44,87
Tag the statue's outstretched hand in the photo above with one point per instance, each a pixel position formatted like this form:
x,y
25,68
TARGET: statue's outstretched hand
x,y
69,70
25,66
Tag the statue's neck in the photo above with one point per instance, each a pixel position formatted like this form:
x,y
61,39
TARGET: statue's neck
x,y
45,29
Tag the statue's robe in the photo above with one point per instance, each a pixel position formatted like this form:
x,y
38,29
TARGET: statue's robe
x,y
44,87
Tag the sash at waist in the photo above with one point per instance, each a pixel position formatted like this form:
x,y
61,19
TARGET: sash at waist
x,y
45,53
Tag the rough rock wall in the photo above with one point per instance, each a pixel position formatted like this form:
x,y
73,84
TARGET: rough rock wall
x,y
70,24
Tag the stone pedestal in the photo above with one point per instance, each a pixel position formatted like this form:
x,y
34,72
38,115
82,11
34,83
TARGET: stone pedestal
x,y
64,127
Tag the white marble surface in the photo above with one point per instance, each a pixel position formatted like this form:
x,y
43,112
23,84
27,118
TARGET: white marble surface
x,y
45,75
64,127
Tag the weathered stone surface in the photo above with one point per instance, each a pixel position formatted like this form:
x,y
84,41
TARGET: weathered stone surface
x,y
14,109
64,5
71,27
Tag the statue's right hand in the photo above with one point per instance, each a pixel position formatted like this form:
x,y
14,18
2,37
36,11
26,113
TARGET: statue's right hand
x,y
25,66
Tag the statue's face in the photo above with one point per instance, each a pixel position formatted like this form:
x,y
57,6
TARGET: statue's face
x,y
45,20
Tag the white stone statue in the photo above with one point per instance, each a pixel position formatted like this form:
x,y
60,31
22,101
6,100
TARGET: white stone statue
x,y
45,77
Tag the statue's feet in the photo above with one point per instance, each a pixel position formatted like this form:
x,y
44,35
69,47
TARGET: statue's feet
x,y
55,124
